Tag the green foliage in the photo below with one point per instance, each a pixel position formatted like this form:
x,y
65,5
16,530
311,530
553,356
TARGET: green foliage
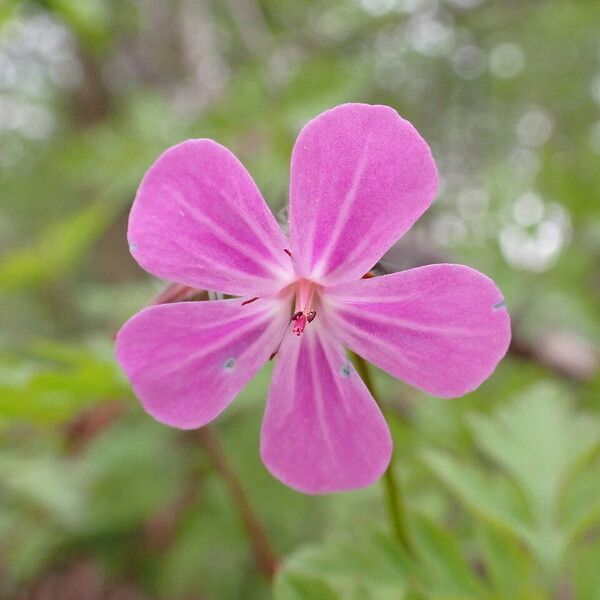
x,y
57,381
366,566
543,452
520,542
61,248
89,19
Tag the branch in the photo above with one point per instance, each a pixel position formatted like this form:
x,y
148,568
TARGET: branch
x,y
261,547
564,353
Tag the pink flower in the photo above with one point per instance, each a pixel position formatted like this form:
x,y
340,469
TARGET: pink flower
x,y
360,177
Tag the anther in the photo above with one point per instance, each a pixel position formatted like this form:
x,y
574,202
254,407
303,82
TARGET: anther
x,y
311,316
248,301
287,252
297,315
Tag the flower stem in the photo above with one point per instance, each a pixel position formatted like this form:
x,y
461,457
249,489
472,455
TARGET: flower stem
x,y
263,552
394,500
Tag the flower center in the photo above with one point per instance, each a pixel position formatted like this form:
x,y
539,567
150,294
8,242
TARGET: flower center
x,y
304,312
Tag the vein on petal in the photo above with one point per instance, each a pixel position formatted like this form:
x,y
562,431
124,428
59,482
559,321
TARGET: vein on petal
x,y
345,209
207,350
375,317
259,231
222,234
317,393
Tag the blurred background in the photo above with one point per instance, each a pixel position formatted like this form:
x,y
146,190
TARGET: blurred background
x,y
502,487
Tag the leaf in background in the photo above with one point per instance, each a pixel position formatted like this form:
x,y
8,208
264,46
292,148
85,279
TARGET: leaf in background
x,y
492,499
89,19
586,568
540,445
367,566
508,566
7,8
45,486
582,501
132,470
71,377
210,557
539,442
60,249
446,573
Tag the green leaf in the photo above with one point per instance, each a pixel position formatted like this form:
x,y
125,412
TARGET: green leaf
x,y
539,442
447,571
131,473
44,486
540,446
297,585
507,565
489,498
71,377
582,501
61,248
586,568
368,566
89,19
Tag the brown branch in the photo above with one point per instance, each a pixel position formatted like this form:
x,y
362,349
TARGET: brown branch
x,y
89,423
264,554
564,353
91,100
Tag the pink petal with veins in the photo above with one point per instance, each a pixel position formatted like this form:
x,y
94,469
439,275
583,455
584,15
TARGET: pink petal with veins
x,y
199,219
322,431
187,361
442,328
360,177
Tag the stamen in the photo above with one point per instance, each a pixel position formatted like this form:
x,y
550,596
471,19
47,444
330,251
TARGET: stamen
x,y
248,301
287,252
300,325
304,313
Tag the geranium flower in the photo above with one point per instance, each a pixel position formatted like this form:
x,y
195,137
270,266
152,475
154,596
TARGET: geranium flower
x,y
360,177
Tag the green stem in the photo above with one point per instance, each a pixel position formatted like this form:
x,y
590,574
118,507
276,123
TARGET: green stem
x,y
393,493
259,541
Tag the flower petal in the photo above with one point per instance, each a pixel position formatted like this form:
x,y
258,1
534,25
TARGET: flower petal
x,y
360,177
442,328
187,361
322,431
199,219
